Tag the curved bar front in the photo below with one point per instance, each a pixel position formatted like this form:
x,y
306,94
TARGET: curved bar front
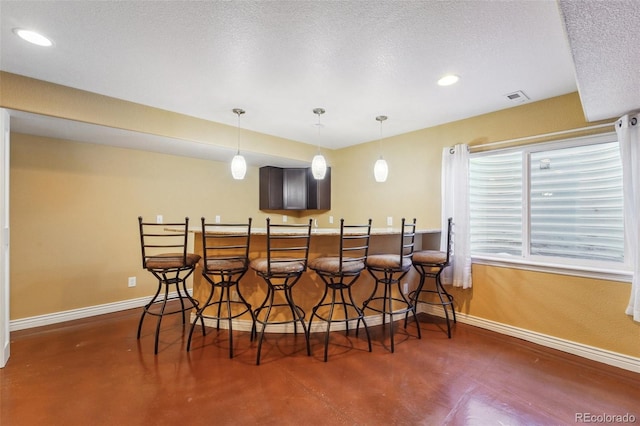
x,y
308,291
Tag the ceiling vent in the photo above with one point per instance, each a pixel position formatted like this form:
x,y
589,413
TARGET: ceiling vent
x,y
517,97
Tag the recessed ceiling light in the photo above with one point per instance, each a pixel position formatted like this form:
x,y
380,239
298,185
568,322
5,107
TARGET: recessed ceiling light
x,y
448,80
32,37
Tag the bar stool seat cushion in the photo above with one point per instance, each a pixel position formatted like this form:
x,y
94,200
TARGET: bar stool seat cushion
x,y
331,265
434,257
223,264
387,261
278,266
172,260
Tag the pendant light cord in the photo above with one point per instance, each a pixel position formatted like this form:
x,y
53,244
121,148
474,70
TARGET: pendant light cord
x,y
380,119
238,112
238,135
318,112
380,140
318,140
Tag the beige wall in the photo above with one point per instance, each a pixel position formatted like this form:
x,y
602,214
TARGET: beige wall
x,y
74,208
584,310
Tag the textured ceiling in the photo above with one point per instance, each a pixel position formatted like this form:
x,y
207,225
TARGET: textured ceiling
x,y
280,59
358,59
605,41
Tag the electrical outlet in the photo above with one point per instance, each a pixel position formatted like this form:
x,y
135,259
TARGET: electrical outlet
x,y
217,218
159,218
389,221
405,288
330,219
284,218
132,281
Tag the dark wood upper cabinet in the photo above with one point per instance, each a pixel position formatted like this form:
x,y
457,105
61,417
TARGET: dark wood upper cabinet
x,y
319,191
271,194
293,189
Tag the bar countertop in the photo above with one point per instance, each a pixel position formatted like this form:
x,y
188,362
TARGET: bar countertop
x,y
314,231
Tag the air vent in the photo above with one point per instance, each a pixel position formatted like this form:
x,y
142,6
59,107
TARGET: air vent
x,y
517,97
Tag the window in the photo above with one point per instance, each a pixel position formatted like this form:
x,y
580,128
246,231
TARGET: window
x,y
556,203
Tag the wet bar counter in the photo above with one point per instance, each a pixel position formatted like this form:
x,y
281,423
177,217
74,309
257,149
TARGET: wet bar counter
x,y
308,291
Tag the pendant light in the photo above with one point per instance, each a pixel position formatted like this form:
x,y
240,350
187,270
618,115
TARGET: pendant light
x,y
238,164
319,164
380,169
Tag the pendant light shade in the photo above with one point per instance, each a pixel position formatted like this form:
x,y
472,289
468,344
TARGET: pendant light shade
x,y
380,169
238,164
238,167
318,164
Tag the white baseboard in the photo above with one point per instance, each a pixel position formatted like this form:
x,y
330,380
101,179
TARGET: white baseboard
x,y
596,354
604,356
74,314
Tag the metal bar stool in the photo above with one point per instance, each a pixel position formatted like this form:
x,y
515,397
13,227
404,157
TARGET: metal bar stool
x,y
339,273
164,254
388,270
430,264
225,251
286,261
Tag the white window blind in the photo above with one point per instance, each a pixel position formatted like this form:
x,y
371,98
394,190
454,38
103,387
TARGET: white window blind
x,y
551,202
576,203
495,190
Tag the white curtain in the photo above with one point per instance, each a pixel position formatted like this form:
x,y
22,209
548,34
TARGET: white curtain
x,y
455,204
629,139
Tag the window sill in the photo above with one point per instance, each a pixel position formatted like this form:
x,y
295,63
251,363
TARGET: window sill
x,y
622,275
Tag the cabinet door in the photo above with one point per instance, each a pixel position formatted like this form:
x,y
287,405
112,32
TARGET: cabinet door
x,y
295,189
271,197
319,191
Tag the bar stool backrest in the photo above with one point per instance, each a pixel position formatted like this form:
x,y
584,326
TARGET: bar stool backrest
x,y
449,240
226,244
354,245
163,241
407,240
287,244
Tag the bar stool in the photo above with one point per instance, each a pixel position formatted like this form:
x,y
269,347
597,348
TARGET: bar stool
x,y
225,260
339,273
286,261
430,264
164,254
388,270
